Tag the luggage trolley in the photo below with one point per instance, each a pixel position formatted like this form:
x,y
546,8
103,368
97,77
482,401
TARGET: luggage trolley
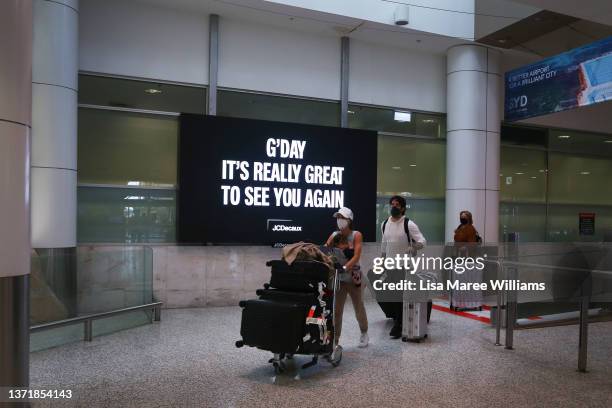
x,y
294,314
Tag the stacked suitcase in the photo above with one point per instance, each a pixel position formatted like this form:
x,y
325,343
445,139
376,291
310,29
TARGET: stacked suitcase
x,y
293,314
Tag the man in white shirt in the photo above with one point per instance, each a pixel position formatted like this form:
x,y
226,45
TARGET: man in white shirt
x,y
399,236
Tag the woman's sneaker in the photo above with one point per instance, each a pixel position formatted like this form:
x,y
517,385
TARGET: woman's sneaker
x,y
363,340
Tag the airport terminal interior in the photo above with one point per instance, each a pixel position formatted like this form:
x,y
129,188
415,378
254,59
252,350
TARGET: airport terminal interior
x,y
156,155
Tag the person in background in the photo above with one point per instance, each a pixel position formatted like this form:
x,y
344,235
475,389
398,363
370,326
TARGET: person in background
x,y
466,232
349,242
400,236
466,244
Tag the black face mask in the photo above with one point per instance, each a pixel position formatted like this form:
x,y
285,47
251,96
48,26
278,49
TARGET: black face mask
x,y
463,220
395,212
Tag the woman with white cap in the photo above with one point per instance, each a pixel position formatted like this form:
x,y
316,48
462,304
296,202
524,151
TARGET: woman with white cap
x,y
349,241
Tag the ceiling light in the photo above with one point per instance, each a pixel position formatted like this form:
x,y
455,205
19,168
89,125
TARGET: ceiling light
x,y
413,165
396,168
564,136
350,112
585,173
502,41
402,116
533,177
519,174
429,120
607,141
133,183
542,170
153,91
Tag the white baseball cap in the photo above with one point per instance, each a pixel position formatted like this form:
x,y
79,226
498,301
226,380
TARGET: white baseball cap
x,y
345,212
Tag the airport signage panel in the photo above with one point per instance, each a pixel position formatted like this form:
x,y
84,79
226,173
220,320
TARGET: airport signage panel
x,y
261,182
580,77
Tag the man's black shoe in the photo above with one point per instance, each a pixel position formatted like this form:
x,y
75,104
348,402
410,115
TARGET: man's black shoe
x,y
396,331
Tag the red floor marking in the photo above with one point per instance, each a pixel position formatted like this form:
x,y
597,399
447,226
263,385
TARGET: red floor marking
x,y
534,318
462,314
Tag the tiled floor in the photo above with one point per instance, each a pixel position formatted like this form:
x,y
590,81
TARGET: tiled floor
x,y
189,360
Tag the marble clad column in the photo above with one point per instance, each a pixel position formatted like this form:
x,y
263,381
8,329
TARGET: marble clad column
x,y
473,138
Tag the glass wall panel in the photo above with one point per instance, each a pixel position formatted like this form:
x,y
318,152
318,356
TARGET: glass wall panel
x,y
563,222
133,94
580,180
278,108
412,167
126,215
397,121
124,148
574,142
524,136
415,169
528,220
107,279
428,214
522,175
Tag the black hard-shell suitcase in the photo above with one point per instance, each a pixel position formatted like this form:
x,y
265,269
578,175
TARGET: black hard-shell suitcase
x,y
283,296
274,326
300,276
392,310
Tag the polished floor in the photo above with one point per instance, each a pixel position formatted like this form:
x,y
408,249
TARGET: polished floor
x,y
189,360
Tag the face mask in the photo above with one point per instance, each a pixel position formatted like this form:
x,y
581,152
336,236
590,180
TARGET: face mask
x,y
463,220
395,212
342,223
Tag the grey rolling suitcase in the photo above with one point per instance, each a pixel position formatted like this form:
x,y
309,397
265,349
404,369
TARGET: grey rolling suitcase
x,y
414,321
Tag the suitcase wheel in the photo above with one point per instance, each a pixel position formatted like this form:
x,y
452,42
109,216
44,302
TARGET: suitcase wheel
x,y
240,343
279,367
242,303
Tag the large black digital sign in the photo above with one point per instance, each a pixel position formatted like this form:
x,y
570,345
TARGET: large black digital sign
x,y
261,182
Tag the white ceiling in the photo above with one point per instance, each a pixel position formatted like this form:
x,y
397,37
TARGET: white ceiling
x,y
313,22
599,11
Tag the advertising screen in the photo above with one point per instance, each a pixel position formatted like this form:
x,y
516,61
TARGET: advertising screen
x,y
261,182
580,77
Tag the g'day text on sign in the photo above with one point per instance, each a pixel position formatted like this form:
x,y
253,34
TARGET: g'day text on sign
x,y
262,182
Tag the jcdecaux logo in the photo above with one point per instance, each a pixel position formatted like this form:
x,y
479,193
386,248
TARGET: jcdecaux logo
x,y
278,225
287,228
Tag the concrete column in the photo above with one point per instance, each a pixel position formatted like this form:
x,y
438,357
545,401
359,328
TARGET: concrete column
x,y
473,138
54,123
15,123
